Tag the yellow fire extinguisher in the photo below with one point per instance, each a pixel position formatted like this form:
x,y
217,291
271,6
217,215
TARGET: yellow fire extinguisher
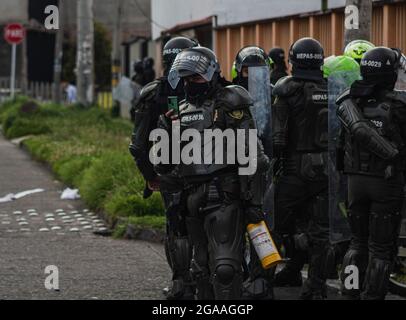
x,y
264,244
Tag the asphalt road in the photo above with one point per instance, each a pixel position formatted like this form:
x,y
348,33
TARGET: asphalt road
x,y
41,230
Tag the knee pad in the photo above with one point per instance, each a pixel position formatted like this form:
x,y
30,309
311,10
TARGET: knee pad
x,y
224,274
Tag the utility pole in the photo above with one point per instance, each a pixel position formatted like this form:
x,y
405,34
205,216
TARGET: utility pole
x,y
364,21
116,50
85,52
56,94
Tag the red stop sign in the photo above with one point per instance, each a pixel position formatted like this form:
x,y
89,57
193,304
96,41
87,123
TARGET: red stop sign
x,y
14,33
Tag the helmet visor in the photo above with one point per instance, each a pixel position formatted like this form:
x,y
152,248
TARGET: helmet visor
x,y
189,63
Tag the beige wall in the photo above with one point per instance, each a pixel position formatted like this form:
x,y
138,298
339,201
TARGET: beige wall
x,y
388,29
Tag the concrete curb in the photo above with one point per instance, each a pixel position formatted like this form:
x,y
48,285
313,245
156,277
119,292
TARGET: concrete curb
x,y
132,232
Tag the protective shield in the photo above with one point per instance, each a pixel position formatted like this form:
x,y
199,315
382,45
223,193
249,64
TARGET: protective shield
x,y
338,82
259,87
401,83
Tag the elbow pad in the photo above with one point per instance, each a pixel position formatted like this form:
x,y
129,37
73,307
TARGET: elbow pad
x,y
363,132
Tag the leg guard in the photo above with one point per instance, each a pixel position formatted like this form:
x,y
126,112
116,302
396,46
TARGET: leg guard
x,y
181,254
200,261
376,280
384,229
225,232
357,254
319,258
177,247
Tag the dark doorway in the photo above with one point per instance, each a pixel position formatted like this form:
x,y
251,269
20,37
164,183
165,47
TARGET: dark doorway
x,y
40,54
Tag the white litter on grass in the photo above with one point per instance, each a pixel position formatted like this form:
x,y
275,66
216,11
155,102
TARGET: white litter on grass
x,y
70,194
16,196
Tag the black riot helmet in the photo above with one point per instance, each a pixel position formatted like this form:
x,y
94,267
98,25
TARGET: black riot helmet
x,y
307,58
278,56
138,67
172,48
148,63
381,65
194,61
251,56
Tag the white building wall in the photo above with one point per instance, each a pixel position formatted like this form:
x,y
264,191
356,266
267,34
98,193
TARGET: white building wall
x,y
13,11
168,13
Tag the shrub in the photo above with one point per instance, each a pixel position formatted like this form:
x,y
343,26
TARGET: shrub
x,y
87,149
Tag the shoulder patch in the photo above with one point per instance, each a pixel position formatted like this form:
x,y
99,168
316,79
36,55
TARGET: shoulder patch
x,y
286,86
236,114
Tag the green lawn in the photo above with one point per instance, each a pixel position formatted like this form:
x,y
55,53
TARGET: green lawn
x,y
87,149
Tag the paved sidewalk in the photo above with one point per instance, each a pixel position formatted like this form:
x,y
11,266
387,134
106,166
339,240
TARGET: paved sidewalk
x,y
35,234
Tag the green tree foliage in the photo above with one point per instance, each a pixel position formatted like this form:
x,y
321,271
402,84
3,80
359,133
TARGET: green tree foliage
x,y
102,56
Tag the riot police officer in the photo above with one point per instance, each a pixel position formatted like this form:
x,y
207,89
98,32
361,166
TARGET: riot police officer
x,y
219,198
300,142
152,103
251,70
279,69
357,48
373,115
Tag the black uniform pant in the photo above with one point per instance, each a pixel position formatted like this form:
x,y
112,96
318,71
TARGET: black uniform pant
x,y
374,216
295,196
177,245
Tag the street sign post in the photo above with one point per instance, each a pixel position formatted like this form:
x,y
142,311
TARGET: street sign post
x,y
14,34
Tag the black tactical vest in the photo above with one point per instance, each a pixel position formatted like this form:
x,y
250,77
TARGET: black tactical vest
x,y
200,118
308,125
357,158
